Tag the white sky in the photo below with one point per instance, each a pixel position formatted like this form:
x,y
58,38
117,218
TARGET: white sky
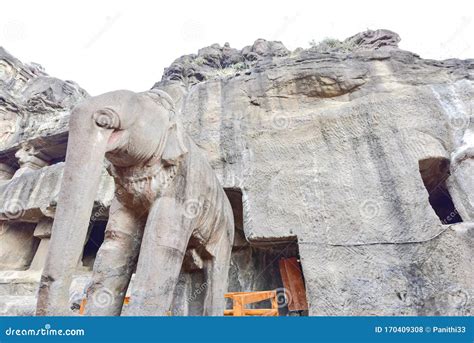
x,y
107,45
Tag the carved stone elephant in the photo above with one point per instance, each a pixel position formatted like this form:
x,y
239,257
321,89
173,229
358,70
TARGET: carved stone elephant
x,y
167,201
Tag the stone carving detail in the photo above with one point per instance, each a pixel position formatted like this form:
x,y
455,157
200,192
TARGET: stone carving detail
x,y
31,102
323,145
42,232
167,200
13,78
17,245
29,159
7,125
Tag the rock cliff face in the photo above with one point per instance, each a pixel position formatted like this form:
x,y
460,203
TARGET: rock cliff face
x,y
356,156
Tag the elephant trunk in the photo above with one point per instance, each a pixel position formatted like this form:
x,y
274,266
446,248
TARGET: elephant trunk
x,y
84,160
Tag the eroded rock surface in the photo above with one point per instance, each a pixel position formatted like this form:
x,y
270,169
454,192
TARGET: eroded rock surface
x,y
326,146
34,107
330,146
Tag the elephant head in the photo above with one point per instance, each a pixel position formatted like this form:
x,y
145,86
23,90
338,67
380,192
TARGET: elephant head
x,y
128,129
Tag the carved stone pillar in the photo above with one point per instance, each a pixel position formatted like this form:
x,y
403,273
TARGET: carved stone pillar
x,y
17,245
43,232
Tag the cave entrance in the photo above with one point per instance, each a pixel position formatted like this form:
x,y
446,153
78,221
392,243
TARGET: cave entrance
x,y
93,243
269,265
435,172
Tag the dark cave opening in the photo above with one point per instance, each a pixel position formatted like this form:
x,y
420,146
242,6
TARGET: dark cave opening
x,y
93,243
269,265
434,173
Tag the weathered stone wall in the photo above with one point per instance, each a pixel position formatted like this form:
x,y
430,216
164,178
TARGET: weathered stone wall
x,y
326,148
323,144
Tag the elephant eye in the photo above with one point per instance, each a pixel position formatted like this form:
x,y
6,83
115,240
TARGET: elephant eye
x,y
107,119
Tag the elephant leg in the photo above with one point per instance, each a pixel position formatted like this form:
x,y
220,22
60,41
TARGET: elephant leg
x,y
164,243
216,272
115,262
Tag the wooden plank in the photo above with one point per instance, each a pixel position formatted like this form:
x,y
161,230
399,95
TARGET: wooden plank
x,y
238,306
254,297
275,303
239,299
254,312
292,278
82,307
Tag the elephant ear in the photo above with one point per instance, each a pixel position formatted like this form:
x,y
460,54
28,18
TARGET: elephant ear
x,y
174,145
